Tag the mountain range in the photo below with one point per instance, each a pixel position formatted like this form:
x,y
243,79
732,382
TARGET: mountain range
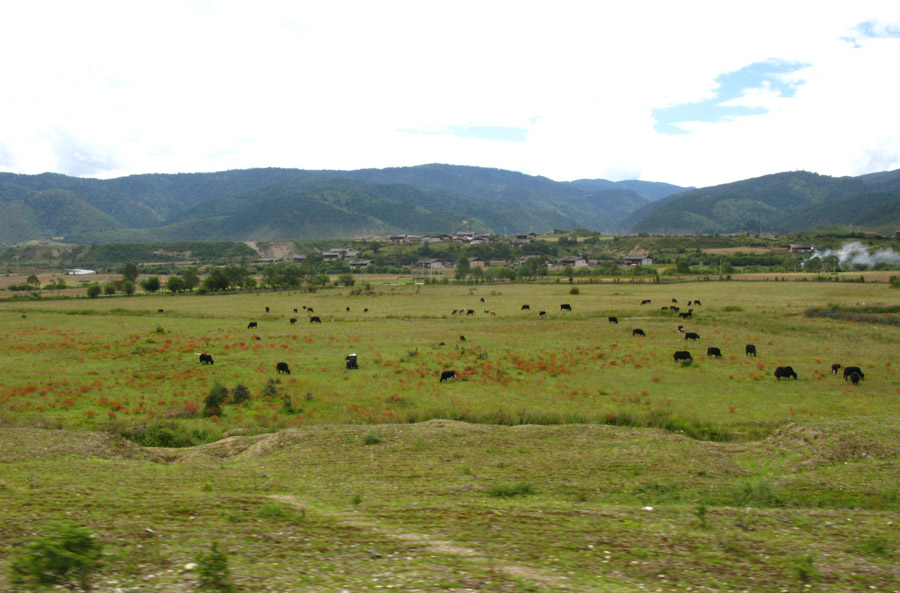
x,y
270,204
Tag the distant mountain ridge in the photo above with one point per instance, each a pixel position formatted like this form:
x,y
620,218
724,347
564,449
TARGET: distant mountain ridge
x,y
272,204
778,203
267,204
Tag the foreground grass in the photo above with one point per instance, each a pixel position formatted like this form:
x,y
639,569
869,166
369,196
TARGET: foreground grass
x,y
325,508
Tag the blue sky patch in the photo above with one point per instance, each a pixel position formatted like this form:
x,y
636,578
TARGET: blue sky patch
x,y
498,133
873,30
770,76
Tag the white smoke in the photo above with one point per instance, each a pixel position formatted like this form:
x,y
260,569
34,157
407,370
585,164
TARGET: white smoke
x,y
855,254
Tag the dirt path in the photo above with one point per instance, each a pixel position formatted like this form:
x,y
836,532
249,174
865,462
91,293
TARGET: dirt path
x,y
434,545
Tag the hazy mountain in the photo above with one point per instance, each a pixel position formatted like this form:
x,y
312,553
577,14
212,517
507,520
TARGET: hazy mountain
x,y
293,203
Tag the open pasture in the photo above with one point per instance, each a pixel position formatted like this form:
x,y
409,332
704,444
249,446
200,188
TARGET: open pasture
x,y
89,363
589,460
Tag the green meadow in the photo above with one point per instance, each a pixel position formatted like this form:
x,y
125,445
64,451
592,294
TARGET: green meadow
x,y
568,454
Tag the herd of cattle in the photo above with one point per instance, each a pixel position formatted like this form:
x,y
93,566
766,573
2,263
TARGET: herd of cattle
x,y
852,373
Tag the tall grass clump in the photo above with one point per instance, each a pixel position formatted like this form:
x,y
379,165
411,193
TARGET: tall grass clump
x,y
67,556
511,490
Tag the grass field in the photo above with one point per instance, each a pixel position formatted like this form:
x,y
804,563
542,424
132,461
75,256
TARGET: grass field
x,y
530,472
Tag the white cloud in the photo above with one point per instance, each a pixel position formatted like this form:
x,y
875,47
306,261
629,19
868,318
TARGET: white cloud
x,y
112,88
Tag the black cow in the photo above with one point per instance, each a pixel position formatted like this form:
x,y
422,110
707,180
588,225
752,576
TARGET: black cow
x,y
206,358
351,362
293,320
691,336
613,319
683,356
470,311
295,310
267,309
697,302
784,373
366,310
638,332
674,308
835,368
850,370
526,308
565,307
309,309
160,311
448,376
714,352
681,329
750,350
462,338
282,368
645,302
542,313
482,299
251,325
348,309
686,315
855,377
315,319
674,300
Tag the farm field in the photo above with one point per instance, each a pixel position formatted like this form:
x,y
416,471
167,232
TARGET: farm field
x,y
534,471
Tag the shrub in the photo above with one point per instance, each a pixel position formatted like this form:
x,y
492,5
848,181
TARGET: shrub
x,y
68,556
162,434
371,438
94,290
511,490
240,394
213,572
212,403
574,290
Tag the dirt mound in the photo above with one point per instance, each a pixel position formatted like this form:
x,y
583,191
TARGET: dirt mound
x,y
839,441
22,444
226,448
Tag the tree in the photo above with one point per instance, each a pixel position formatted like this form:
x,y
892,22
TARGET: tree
x,y
190,279
175,284
109,289
33,281
477,273
130,271
347,279
66,556
128,287
150,284
683,266
94,290
462,268
569,273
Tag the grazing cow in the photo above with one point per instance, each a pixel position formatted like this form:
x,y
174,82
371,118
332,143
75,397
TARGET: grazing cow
x,y
542,313
293,320
304,307
448,376
366,310
267,309
697,302
855,377
309,309
850,370
160,311
686,315
674,300
565,307
690,303
206,358
663,308
251,325
315,319
526,308
470,311
613,319
714,352
638,332
681,328
750,350
351,362
674,308
784,373
835,368
348,309
282,368
683,356
462,338
691,336
645,302
295,309
482,299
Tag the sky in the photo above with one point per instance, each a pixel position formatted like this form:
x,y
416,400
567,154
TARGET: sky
x,y
690,93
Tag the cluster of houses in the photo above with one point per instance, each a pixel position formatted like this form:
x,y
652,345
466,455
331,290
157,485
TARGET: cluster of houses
x,y
570,261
